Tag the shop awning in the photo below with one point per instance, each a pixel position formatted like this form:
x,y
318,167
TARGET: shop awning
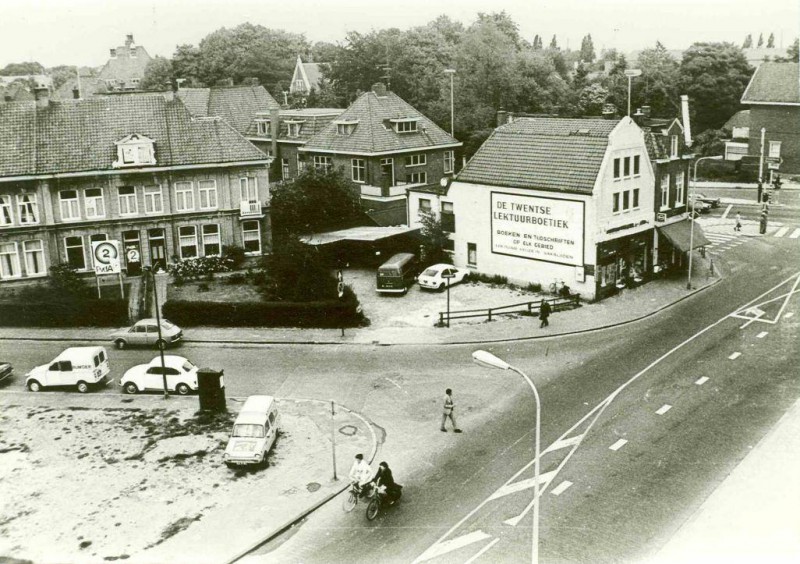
x,y
366,233
680,233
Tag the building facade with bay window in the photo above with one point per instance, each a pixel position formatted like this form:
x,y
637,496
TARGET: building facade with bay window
x,y
136,169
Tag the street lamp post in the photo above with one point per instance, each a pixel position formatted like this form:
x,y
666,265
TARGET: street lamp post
x,y
488,360
630,73
160,343
451,72
691,215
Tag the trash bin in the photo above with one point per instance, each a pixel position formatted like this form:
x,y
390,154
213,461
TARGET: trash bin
x,y
211,389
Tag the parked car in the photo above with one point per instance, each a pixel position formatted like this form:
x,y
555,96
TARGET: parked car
x,y
700,206
76,366
397,274
713,202
6,370
435,277
181,376
145,333
254,432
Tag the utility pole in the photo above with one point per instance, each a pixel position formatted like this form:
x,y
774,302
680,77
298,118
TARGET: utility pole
x,y
761,167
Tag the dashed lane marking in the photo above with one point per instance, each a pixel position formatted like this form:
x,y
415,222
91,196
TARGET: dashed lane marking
x,y
726,212
562,487
795,234
454,544
734,356
781,232
618,445
701,381
788,315
663,409
762,334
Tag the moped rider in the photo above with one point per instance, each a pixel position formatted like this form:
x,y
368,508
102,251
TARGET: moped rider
x,y
360,473
385,478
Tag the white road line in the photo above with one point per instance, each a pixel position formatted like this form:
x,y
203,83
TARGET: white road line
x,y
795,234
701,381
726,212
734,356
788,315
762,334
564,443
562,487
481,551
664,408
781,232
618,445
523,485
454,544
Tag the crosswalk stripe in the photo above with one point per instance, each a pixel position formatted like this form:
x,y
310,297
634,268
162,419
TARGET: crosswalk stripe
x,y
781,232
795,234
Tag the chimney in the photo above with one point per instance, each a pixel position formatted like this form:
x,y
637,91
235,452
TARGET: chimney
x,y
76,93
42,96
129,40
274,129
502,117
113,53
639,116
646,111
687,130
379,88
609,111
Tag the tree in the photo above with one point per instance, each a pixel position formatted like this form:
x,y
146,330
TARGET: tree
x,y
760,40
748,41
433,239
62,74
553,43
158,75
771,41
297,272
537,43
324,52
185,64
714,75
592,99
617,83
658,85
587,49
710,142
19,69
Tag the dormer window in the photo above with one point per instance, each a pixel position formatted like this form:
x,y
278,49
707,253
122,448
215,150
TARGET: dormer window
x,y
262,126
673,146
294,128
405,125
346,127
135,150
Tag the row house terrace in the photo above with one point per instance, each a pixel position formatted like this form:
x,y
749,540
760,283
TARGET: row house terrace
x,y
137,169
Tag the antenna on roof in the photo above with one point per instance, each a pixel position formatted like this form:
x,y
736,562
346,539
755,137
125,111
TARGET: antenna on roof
x,y
387,76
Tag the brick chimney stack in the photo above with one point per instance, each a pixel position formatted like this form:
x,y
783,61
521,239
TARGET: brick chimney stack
x,y
42,96
379,88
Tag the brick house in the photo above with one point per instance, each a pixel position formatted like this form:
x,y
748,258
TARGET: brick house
x,y
306,76
136,169
773,96
384,146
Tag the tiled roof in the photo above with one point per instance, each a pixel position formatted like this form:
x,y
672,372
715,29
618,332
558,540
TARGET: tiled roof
x,y
79,136
125,67
542,153
756,55
374,133
89,86
774,83
238,105
313,73
739,119
314,120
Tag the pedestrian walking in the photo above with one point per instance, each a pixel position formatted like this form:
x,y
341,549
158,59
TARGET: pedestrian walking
x,y
763,223
738,226
544,313
449,407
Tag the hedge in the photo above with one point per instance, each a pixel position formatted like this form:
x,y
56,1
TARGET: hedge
x,y
65,313
322,314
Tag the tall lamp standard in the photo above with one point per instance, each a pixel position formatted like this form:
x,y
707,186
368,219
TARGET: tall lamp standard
x,y
149,271
691,215
487,359
630,73
451,72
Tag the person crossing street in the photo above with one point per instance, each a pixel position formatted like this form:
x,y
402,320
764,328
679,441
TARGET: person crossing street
x,y
449,407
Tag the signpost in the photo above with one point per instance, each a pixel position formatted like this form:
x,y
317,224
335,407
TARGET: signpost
x,y
448,277
106,261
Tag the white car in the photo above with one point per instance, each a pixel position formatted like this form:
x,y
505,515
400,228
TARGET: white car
x,y
145,332
181,376
435,277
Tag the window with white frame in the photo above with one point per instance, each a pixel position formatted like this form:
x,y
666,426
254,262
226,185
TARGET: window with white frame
x,y
294,128
617,172
27,209
6,217
211,240
387,169
251,237
405,126
449,161
9,261
285,173
615,203
323,163
127,200
153,202
673,146
262,127
358,168
635,198
346,127
134,150
626,200
184,196
775,149
95,238
33,251
417,159
248,188
187,241
70,210
207,190
472,254
636,161
448,218
93,202
626,167
680,187
424,205
301,164
418,178
73,246
665,191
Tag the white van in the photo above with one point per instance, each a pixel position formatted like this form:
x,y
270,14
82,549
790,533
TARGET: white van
x,y
254,432
76,366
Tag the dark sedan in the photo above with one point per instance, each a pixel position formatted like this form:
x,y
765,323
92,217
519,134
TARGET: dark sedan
x,y
713,202
5,370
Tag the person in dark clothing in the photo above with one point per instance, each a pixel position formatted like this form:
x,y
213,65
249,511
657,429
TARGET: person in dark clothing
x,y
544,313
385,478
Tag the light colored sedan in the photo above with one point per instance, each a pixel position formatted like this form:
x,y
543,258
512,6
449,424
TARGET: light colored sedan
x,y
435,277
181,376
145,333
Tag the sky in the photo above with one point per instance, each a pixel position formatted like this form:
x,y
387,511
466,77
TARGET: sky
x,y
80,32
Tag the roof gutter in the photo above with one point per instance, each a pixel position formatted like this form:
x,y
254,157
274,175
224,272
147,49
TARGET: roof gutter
x,y
381,153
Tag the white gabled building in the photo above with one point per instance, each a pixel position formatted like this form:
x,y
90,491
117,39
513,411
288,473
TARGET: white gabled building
x,y
553,199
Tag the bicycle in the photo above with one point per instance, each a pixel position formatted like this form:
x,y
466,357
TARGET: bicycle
x,y
556,286
380,497
353,493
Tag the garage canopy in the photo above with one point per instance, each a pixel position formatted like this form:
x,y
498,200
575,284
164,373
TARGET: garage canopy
x,y
679,235
366,233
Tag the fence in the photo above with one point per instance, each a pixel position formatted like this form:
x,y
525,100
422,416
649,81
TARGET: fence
x,y
525,308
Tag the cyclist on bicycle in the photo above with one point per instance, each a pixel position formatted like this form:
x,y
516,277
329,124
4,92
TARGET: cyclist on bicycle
x,y
385,478
360,473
